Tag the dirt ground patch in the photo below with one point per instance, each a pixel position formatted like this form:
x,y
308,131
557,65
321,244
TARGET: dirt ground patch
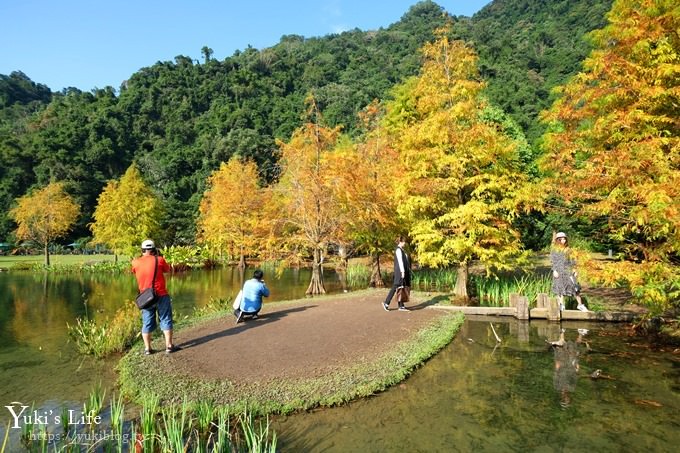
x,y
304,339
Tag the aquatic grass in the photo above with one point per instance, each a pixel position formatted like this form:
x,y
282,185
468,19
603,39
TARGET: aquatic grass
x,y
117,420
214,305
205,414
160,429
27,431
434,279
101,338
496,291
95,401
147,419
358,275
257,439
89,336
4,441
44,439
64,416
95,266
172,436
117,412
222,428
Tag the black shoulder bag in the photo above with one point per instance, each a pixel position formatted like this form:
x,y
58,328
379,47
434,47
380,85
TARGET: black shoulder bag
x,y
147,298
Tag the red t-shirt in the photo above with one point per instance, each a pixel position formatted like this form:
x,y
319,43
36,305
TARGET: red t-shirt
x,y
142,267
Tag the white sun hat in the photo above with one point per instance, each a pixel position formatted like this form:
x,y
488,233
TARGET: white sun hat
x,y
148,245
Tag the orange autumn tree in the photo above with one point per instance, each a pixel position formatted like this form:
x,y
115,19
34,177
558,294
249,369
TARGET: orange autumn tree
x,y
45,215
462,182
309,218
230,213
364,175
613,150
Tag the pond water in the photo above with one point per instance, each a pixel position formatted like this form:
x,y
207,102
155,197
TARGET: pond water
x,y
474,395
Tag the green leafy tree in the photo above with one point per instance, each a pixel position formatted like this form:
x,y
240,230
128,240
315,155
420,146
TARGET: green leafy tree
x,y
462,183
45,215
128,212
613,149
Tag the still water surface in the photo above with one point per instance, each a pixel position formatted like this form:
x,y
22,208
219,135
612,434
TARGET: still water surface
x,y
473,396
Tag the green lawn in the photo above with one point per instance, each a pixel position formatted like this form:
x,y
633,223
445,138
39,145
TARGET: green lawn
x,y
7,262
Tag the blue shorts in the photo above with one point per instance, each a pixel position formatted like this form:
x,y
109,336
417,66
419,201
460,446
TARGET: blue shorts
x,y
164,308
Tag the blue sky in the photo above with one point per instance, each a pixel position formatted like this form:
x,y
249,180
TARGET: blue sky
x,y
94,43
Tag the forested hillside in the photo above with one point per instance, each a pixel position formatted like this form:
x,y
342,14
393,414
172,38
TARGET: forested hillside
x,y
527,47
180,119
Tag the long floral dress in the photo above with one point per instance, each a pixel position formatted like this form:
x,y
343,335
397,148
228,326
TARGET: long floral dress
x,y
563,285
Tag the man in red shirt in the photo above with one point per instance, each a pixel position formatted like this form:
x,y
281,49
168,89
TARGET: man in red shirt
x,y
143,268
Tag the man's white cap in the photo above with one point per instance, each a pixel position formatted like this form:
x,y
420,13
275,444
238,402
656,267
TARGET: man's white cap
x,y
148,245
557,236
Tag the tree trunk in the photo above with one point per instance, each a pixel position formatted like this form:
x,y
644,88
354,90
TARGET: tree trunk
x,y
115,258
316,284
242,260
461,281
376,275
241,275
47,255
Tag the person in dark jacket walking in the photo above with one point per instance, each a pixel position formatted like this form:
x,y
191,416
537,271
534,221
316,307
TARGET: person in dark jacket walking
x,y
402,274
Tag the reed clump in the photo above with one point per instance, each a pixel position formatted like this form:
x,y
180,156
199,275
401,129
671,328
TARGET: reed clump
x,y
101,338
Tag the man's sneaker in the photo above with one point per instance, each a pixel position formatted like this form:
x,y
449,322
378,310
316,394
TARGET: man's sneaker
x,y
254,317
385,306
581,307
403,309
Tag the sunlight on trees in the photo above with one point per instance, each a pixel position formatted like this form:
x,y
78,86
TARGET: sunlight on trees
x,y
230,213
363,182
462,184
613,151
311,216
45,215
127,212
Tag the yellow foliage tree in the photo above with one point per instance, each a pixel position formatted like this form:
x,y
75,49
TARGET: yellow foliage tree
x,y
462,183
127,212
363,179
311,215
45,215
613,150
231,210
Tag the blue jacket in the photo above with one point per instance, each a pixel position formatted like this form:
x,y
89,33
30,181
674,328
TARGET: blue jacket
x,y
253,290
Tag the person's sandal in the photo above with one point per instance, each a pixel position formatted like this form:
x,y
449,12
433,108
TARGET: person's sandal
x,y
172,349
148,351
